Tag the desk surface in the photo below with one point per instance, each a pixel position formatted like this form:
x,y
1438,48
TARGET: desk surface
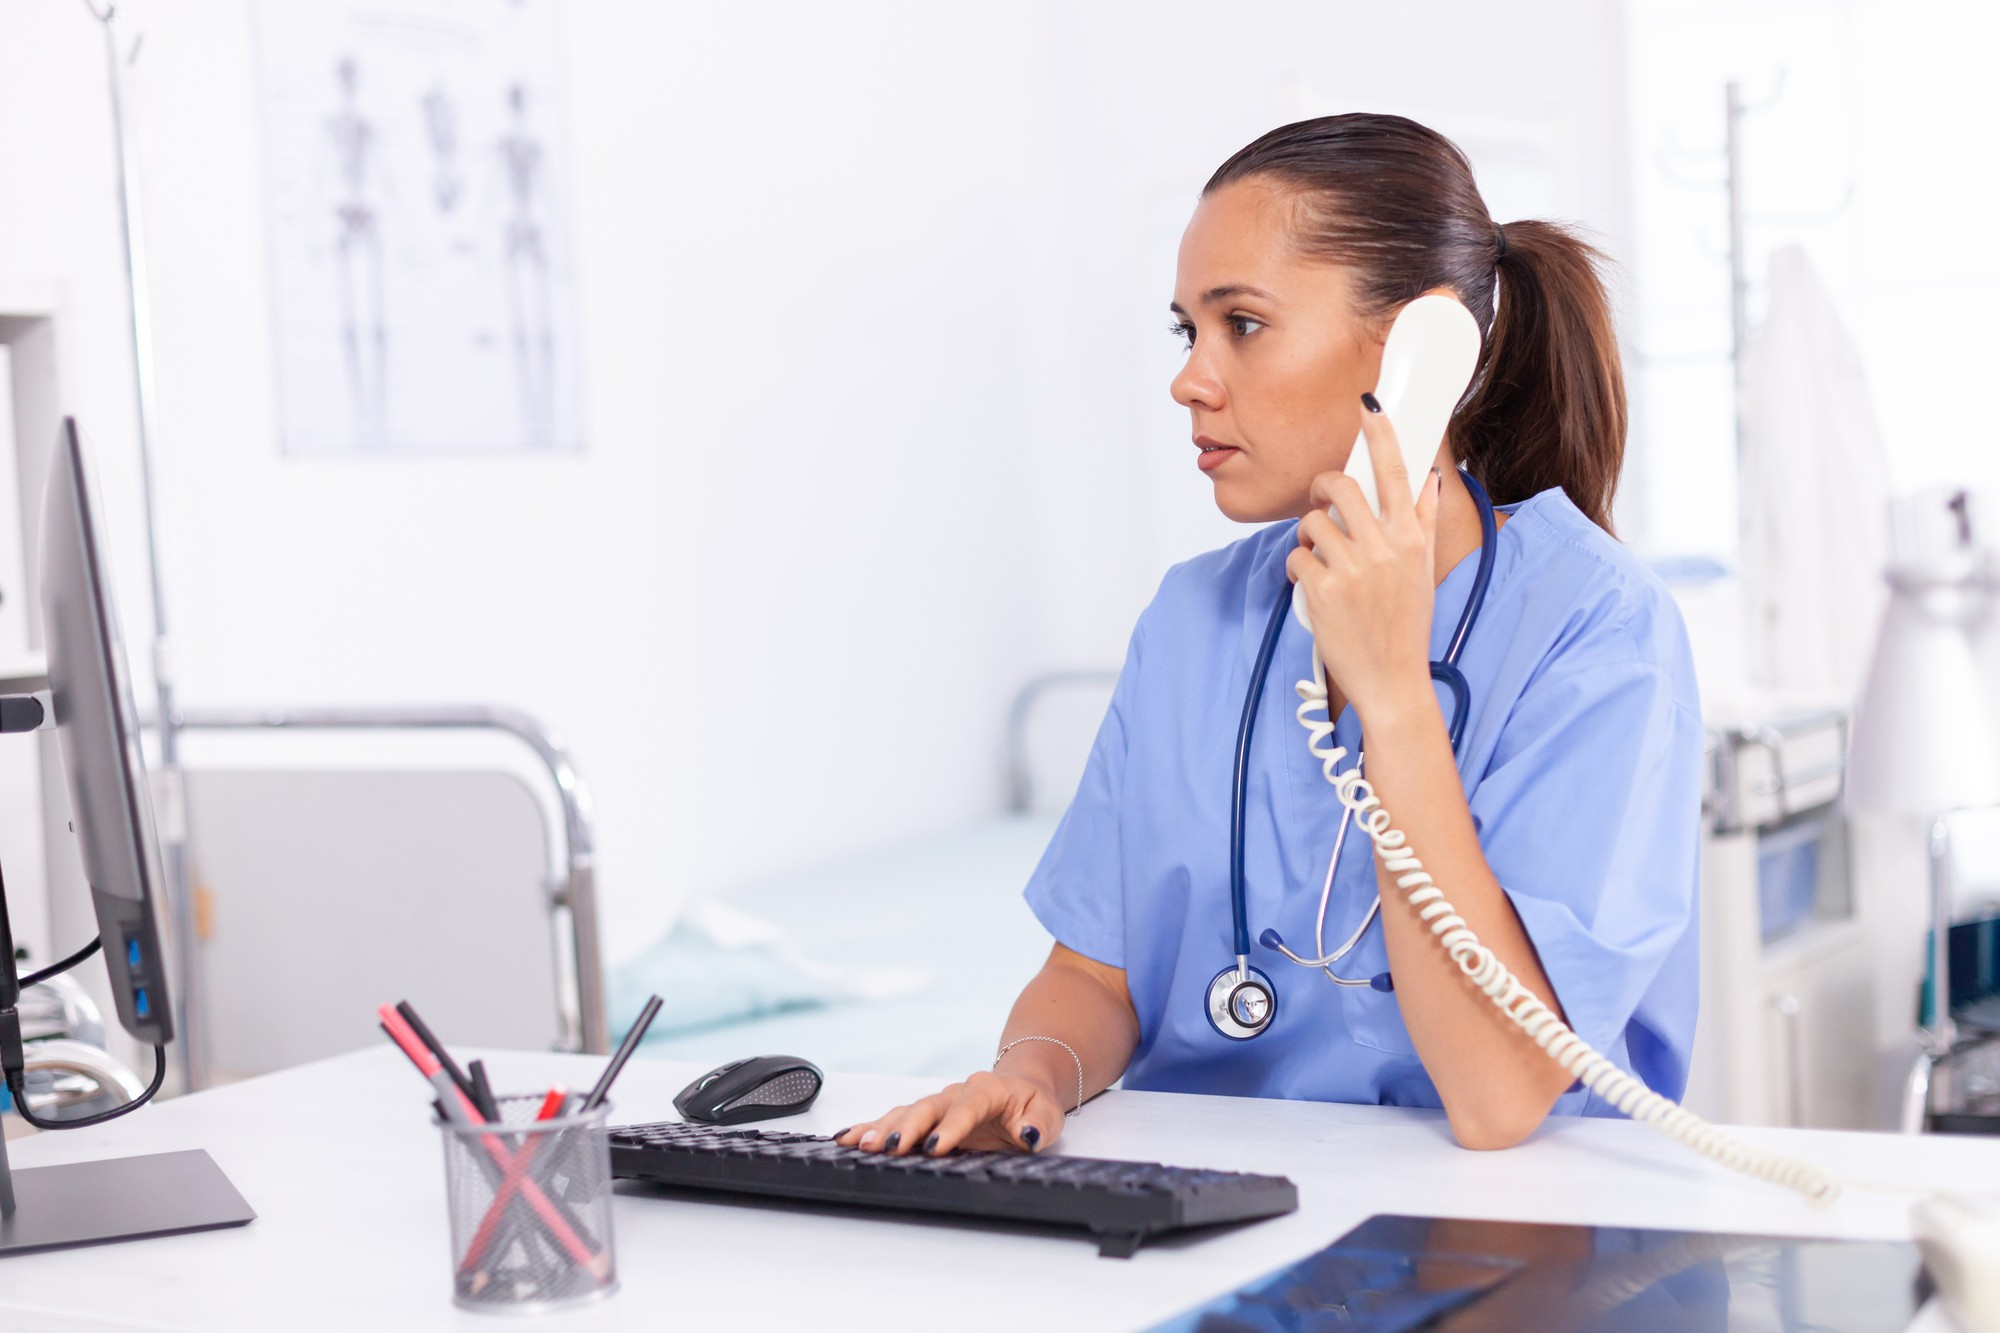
x,y
345,1171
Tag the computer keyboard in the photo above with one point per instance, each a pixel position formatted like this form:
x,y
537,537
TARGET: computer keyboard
x,y
1120,1203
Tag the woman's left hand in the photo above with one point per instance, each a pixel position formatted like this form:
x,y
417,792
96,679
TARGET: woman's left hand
x,y
1369,590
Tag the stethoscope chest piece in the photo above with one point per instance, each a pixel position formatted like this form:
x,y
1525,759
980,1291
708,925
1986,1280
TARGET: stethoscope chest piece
x,y
1241,1003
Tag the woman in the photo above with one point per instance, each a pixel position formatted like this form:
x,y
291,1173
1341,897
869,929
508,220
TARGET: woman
x,y
1565,827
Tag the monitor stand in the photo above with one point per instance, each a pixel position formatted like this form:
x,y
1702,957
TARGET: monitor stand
x,y
120,1198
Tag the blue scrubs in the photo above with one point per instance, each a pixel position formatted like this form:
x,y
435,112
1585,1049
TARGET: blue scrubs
x,y
1582,767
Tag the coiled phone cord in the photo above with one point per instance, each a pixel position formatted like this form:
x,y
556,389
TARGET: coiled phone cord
x,y
1632,1098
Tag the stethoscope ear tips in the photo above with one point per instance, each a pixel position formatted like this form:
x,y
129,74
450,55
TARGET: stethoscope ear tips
x,y
1271,939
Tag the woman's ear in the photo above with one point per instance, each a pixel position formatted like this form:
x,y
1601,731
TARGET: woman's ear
x,y
1368,354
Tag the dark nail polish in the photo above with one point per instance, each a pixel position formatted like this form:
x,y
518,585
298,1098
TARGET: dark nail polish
x,y
890,1144
1031,1136
1368,401
930,1145
843,1133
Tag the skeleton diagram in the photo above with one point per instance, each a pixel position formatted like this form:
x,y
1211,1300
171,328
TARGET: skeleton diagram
x,y
358,257
521,156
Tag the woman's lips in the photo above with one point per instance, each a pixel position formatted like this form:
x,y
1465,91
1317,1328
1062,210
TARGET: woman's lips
x,y
1213,454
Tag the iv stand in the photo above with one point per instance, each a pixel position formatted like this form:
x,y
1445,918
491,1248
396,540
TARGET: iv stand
x,y
1739,277
169,800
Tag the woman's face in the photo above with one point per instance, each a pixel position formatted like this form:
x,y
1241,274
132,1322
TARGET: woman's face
x,y
1277,357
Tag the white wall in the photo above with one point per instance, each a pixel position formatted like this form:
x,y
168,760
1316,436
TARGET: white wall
x,y
873,299
1868,145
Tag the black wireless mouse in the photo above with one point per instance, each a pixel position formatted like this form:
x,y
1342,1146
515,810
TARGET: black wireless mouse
x,y
756,1089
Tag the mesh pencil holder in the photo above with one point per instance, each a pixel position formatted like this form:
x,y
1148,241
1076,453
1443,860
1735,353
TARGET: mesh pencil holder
x,y
530,1208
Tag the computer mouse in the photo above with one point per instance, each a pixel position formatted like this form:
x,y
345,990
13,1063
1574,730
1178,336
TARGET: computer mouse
x,y
761,1088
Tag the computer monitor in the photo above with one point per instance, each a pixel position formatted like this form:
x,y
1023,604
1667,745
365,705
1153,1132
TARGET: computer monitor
x,y
85,1203
97,730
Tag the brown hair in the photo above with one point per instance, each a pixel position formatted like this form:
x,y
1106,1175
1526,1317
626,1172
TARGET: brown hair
x,y
1397,202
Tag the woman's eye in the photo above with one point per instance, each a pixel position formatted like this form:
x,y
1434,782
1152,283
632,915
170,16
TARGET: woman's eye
x,y
1243,326
1184,332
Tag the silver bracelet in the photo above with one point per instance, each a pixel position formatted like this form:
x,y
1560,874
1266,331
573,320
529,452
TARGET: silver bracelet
x,y
1053,1042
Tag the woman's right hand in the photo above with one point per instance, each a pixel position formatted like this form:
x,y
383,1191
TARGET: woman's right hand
x,y
1003,1111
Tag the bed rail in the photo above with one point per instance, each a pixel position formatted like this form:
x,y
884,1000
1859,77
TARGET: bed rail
x,y
575,891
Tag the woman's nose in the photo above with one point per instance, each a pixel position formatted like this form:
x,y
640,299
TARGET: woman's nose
x,y
1195,387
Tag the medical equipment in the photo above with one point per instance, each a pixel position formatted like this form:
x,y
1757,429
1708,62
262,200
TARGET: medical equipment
x,y
1427,362
1925,727
1446,672
1241,999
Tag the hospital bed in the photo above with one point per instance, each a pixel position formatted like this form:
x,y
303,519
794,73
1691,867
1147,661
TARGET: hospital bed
x,y
343,857
438,854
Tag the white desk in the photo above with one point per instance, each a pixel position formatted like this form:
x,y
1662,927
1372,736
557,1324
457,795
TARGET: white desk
x,y
345,1171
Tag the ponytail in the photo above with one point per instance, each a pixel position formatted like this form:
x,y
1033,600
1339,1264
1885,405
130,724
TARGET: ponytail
x,y
1548,404
1396,201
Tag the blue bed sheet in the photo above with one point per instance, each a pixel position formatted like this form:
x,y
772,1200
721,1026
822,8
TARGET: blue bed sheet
x,y
949,907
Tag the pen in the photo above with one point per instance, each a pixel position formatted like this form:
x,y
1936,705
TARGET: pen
x,y
460,1109
482,1092
625,1048
437,1048
450,1100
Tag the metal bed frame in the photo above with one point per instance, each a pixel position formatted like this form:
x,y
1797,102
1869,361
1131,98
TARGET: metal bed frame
x,y
573,893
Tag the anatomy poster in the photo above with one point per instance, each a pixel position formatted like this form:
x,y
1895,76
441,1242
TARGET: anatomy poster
x,y
423,292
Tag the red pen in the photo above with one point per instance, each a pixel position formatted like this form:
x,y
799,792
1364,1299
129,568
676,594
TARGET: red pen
x,y
462,1112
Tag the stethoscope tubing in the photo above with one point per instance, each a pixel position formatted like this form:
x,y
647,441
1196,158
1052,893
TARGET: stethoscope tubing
x,y
1446,671
1258,674
1475,602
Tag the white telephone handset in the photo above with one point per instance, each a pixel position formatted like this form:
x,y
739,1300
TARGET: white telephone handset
x,y
1432,351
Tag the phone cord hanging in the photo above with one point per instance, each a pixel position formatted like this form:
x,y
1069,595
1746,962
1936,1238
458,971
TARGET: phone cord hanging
x,y
1490,975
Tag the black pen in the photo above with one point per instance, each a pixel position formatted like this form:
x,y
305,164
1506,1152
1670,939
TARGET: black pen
x,y
624,1053
424,1035
482,1092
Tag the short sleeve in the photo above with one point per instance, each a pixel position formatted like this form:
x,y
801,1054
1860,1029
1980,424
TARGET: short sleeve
x,y
1078,889
1589,815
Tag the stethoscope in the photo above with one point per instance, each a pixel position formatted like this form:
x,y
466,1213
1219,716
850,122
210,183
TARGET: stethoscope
x,y
1241,1000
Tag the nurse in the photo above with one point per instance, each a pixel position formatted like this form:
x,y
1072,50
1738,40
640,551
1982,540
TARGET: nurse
x,y
1565,827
